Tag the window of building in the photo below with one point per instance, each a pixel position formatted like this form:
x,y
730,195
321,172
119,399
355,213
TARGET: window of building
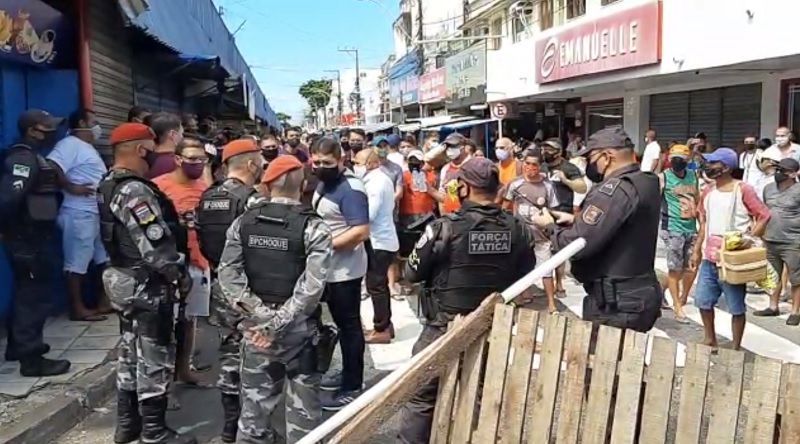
x,y
607,2
496,28
546,14
575,8
521,26
604,114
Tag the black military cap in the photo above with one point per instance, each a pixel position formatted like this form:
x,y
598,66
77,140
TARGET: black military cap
x,y
33,117
609,137
789,164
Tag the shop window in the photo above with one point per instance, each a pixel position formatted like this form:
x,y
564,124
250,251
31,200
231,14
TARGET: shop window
x,y
575,8
607,2
603,115
496,29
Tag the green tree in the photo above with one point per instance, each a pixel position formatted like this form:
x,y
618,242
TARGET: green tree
x,y
284,118
316,92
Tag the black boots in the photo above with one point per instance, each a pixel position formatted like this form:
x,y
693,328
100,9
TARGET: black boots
x,y
129,423
40,366
232,408
154,428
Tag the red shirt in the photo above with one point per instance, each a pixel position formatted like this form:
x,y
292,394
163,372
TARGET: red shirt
x,y
417,202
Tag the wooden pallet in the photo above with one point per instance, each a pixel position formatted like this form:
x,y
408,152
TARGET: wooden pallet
x,y
516,376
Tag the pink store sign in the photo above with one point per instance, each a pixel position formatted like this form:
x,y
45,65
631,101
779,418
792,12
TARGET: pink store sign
x,y
626,39
432,86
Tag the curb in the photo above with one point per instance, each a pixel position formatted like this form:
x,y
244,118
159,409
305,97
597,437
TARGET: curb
x,y
57,417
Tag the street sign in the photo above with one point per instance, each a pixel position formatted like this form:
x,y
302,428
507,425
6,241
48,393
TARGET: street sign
x,y
500,110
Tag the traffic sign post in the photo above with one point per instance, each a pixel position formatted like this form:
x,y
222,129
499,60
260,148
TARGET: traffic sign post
x,y
499,112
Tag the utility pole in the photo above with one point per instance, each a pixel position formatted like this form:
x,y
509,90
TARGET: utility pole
x,y
339,105
358,83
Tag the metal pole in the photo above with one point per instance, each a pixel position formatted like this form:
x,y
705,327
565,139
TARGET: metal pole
x,y
358,83
334,422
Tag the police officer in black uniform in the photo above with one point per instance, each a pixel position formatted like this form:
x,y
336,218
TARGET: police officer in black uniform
x,y
29,200
619,220
461,259
219,206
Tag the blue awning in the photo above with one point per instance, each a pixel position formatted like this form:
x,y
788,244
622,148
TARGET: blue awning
x,y
194,29
408,64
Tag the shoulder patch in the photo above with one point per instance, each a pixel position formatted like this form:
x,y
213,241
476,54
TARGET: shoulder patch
x,y
143,214
592,214
21,170
217,205
18,185
609,187
154,232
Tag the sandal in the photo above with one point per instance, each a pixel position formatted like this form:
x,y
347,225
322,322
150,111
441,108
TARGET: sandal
x,y
89,318
560,294
793,320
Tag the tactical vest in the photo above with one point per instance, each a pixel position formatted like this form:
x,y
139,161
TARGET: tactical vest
x,y
274,251
41,203
219,206
120,246
631,252
479,248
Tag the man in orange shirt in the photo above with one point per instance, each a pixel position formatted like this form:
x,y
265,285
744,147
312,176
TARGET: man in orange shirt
x,y
184,186
455,149
508,166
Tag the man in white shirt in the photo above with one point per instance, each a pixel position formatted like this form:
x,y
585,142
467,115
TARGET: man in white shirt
x,y
383,242
80,170
748,162
652,153
784,146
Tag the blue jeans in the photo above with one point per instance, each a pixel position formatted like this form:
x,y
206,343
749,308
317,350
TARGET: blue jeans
x,y
710,288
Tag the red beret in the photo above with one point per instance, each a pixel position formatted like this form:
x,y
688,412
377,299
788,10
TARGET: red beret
x,y
131,131
240,146
280,166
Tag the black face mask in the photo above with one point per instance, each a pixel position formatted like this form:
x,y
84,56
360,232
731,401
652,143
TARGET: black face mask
x,y
356,147
549,157
593,172
463,192
293,143
269,155
749,146
327,174
414,166
678,165
345,146
714,173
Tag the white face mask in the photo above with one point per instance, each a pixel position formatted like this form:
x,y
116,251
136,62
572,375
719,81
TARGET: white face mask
x,y
453,153
360,171
97,132
782,140
501,154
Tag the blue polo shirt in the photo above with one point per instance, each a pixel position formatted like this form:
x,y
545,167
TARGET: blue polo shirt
x,y
343,205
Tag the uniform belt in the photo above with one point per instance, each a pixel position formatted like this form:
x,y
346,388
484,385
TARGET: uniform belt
x,y
605,290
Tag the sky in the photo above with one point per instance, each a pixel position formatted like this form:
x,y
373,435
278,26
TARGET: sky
x,y
287,42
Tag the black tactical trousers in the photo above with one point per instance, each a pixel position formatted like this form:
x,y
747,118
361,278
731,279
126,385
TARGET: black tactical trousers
x,y
417,413
34,269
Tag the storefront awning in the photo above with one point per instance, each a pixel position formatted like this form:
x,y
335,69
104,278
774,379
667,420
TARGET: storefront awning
x,y
194,29
416,124
376,127
461,125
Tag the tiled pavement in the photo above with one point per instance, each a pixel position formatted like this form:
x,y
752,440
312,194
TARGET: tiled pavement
x,y
85,344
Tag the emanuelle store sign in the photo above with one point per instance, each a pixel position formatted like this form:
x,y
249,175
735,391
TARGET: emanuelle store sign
x,y
627,39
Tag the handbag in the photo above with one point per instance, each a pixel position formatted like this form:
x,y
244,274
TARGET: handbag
x,y
740,266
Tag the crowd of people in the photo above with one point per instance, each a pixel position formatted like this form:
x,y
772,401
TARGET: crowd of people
x,y
255,231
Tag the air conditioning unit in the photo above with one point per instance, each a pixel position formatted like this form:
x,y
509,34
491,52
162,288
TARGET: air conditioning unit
x,y
520,9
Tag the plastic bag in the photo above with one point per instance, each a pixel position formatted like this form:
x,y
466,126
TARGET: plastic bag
x,y
771,282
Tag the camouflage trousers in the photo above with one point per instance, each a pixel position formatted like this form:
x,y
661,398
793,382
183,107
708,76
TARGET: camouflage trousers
x,y
146,355
230,342
264,378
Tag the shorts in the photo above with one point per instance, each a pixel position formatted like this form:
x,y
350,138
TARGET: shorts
x,y
710,288
199,298
679,249
81,241
779,254
543,251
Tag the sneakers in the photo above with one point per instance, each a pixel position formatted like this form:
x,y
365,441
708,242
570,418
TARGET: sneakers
x,y
331,382
767,312
340,399
39,366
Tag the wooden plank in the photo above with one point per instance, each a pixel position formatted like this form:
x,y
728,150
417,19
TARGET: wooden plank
x,y
512,411
542,390
693,393
790,418
601,387
468,386
433,361
761,414
725,394
629,391
576,355
658,392
494,379
443,412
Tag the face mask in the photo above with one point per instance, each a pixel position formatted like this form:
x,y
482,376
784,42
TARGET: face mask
x,y
97,132
360,171
749,146
269,155
293,143
780,176
414,166
549,157
346,146
453,153
192,170
679,165
714,173
356,146
593,172
502,154
463,192
150,157
382,152
327,174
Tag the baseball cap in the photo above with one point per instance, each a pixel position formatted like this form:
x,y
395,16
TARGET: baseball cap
x,y
33,117
552,143
479,172
455,139
725,155
280,166
394,140
681,151
380,139
131,131
789,164
240,146
609,137
416,154
773,155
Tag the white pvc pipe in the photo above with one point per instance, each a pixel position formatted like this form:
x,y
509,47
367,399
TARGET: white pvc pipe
x,y
334,422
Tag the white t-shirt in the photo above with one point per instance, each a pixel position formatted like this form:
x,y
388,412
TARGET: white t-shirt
x,y
748,161
793,152
82,165
380,197
651,153
398,159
